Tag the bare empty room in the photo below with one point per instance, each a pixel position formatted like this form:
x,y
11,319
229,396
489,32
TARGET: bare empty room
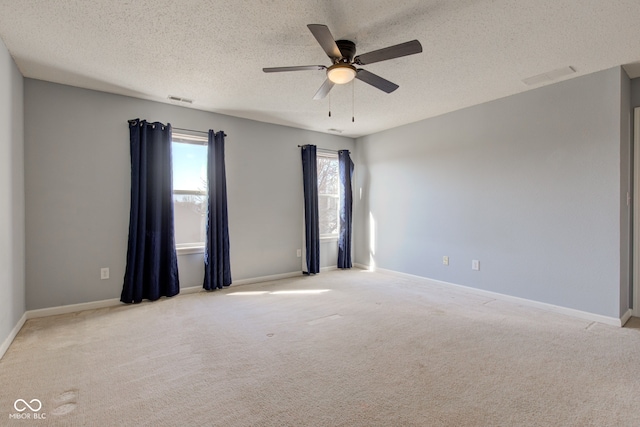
x,y
319,213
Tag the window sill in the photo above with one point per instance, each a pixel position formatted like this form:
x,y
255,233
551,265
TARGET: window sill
x,y
190,250
327,239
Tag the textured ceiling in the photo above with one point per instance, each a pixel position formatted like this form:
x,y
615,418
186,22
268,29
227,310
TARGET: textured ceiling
x,y
213,52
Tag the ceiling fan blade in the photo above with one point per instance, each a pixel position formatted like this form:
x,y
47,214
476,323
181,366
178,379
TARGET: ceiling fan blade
x,y
376,81
326,40
295,68
324,89
396,51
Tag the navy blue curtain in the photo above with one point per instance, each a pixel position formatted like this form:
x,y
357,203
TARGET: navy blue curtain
x,y
217,266
311,222
152,264
345,167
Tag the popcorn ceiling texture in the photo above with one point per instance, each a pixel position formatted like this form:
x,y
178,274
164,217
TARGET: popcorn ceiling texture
x,y
213,52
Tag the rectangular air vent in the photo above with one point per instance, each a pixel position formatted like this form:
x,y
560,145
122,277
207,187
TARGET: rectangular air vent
x,y
178,99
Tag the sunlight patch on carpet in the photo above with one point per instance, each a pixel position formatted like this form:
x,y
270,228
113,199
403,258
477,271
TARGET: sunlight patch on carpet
x,y
301,292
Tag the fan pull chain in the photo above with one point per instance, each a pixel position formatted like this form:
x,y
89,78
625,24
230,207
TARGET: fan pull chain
x,y
329,104
353,101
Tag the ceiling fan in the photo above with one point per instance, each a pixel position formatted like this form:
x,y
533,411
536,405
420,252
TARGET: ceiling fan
x,y
344,60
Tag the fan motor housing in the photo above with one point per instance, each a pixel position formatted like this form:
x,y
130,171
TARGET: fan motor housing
x,y
347,48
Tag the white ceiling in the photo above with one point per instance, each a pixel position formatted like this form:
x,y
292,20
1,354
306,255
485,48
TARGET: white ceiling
x,y
213,51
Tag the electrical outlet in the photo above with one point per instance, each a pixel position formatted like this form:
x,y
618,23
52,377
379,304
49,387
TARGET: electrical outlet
x,y
299,253
475,265
445,260
104,273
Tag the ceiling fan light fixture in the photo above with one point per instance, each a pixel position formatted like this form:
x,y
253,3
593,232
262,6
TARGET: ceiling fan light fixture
x,y
341,73
343,57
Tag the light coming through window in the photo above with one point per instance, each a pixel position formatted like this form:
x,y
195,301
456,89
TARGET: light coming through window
x,y
328,194
189,190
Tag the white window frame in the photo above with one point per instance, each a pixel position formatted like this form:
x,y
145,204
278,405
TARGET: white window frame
x,y
184,138
333,156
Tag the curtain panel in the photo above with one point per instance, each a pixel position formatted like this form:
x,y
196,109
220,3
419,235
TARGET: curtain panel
x,y
311,221
152,265
345,167
217,264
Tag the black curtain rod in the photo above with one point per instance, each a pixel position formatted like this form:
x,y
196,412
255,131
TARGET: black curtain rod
x,y
132,121
193,130
324,149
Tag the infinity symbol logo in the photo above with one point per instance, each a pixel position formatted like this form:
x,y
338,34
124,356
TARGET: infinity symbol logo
x,y
26,405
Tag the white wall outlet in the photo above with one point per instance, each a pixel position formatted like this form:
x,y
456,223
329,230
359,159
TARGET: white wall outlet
x,y
104,273
299,253
445,260
475,265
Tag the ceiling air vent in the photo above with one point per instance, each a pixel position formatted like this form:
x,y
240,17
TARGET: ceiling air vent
x,y
549,76
335,130
178,99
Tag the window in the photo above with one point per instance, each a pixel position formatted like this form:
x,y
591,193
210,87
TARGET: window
x,y
328,195
189,192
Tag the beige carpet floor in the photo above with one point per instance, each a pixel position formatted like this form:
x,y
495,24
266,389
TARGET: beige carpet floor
x,y
343,348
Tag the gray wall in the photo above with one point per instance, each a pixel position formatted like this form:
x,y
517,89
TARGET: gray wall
x,y
12,300
626,191
635,93
635,102
531,185
78,180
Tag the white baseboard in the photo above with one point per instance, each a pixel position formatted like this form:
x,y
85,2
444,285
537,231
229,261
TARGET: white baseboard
x,y
191,290
613,321
266,278
72,308
12,335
